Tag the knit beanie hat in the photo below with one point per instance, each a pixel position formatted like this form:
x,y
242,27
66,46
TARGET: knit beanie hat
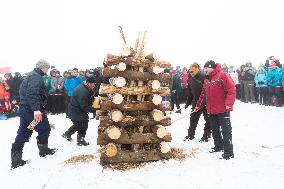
x,y
210,64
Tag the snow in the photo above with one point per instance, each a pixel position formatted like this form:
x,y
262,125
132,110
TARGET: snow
x,y
258,163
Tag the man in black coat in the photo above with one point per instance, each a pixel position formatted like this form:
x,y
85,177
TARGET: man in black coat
x,y
33,99
195,84
176,91
79,107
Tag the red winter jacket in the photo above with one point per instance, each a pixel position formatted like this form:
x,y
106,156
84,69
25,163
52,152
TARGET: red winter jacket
x,y
220,91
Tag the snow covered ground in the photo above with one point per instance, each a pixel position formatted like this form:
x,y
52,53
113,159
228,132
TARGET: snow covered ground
x,y
258,163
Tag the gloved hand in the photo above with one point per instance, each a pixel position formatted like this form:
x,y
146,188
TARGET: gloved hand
x,y
173,91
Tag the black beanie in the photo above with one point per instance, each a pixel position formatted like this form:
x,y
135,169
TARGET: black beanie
x,y
91,79
210,64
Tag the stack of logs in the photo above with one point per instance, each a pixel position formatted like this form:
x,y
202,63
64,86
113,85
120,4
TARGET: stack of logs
x,y
132,119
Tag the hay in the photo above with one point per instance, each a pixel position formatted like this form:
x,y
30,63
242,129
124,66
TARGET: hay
x,y
124,166
80,159
177,154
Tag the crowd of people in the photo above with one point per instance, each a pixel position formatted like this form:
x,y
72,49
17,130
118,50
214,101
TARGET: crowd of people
x,y
263,84
210,91
59,87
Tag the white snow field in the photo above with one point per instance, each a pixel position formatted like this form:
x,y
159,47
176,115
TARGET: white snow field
x,y
258,146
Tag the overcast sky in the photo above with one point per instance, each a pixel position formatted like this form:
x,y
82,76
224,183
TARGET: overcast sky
x,y
79,33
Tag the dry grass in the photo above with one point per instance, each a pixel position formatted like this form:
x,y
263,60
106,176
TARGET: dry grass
x,y
124,166
80,159
179,154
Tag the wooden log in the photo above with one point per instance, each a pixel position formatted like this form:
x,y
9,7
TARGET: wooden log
x,y
134,106
117,98
116,115
154,84
121,66
137,156
156,99
114,60
134,138
136,75
145,90
165,147
160,131
157,115
113,132
119,81
110,150
144,120
157,70
152,56
125,52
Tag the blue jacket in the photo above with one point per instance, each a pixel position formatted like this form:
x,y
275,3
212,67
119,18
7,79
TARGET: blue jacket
x,y
71,83
260,78
274,76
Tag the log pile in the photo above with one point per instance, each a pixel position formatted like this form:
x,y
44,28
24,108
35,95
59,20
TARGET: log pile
x,y
132,126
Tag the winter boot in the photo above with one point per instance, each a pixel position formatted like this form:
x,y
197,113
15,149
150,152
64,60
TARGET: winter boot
x,y
190,135
69,132
43,148
213,150
227,155
16,155
81,140
178,111
205,137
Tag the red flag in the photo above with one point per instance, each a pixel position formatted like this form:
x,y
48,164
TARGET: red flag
x,y
4,70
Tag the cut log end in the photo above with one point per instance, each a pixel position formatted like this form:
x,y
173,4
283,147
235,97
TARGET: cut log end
x,y
121,66
157,99
157,69
113,132
117,98
160,131
165,147
120,82
116,115
157,115
155,84
110,150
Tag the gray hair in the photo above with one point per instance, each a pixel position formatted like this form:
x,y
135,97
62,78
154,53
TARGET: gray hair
x,y
42,64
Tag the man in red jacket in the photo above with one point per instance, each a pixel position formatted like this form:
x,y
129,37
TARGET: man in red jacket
x,y
220,93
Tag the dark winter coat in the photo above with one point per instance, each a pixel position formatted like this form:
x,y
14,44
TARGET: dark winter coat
x,y
176,83
248,74
81,103
220,92
15,88
195,85
33,92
